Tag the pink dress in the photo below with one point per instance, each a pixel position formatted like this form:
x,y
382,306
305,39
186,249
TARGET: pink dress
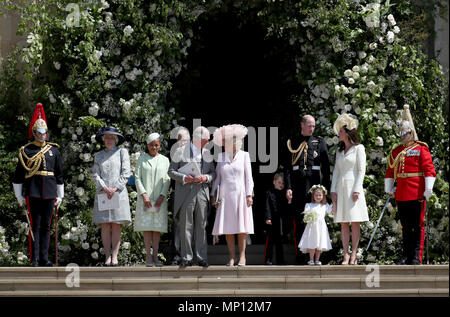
x,y
234,182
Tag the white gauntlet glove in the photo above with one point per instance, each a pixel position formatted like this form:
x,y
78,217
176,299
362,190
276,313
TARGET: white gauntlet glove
x,y
18,193
429,183
59,195
389,186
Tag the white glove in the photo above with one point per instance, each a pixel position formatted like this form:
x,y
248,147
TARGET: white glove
x,y
389,186
18,193
429,183
59,195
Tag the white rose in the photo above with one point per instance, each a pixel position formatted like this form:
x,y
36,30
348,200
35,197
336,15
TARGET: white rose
x,y
128,30
351,81
126,245
79,191
85,245
95,246
362,54
345,90
355,68
93,140
390,36
337,88
355,75
79,130
335,140
81,177
98,54
348,73
57,65
347,107
379,141
381,40
127,105
373,46
396,29
357,110
94,255
391,20
74,137
371,84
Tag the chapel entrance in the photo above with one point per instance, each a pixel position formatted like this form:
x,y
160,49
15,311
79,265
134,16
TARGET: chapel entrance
x,y
235,75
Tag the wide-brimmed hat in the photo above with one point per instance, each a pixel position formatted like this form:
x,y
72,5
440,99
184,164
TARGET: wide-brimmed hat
x,y
231,131
345,120
109,130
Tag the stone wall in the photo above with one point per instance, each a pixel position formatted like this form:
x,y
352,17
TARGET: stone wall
x,y
8,37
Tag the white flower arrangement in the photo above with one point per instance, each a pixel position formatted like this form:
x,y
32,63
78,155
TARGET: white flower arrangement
x,y
310,216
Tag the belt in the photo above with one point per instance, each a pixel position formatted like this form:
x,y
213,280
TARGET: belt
x,y
406,175
314,168
44,173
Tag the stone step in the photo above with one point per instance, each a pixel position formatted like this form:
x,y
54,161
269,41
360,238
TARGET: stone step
x,y
165,272
414,292
424,280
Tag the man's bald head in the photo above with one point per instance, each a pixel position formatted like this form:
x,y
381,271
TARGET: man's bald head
x,y
308,124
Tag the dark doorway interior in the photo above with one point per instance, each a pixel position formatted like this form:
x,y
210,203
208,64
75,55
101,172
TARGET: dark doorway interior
x,y
235,75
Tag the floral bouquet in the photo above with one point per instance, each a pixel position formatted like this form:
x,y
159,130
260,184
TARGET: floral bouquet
x,y
310,216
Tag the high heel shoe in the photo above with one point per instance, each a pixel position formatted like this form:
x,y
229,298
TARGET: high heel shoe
x,y
230,263
346,259
354,261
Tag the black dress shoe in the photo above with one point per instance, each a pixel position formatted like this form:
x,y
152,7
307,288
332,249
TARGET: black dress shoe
x,y
203,263
268,262
416,262
185,263
403,261
35,263
46,264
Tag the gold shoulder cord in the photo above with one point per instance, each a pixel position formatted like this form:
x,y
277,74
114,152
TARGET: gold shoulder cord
x,y
34,162
393,163
302,148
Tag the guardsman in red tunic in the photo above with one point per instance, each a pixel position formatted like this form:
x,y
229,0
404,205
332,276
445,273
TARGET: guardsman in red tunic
x,y
411,166
39,172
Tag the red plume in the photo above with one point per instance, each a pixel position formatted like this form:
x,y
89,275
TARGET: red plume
x,y
38,113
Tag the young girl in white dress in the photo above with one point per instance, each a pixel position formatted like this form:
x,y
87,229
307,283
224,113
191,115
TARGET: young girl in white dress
x,y
315,238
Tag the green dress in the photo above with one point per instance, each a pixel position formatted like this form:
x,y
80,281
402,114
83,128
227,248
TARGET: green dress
x,y
151,178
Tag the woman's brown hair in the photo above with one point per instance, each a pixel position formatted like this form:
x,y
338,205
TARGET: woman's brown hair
x,y
352,135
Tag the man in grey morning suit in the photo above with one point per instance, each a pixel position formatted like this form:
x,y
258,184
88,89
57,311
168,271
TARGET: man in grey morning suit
x,y
192,197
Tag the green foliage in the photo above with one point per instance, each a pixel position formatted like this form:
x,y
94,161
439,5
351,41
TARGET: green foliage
x,y
114,65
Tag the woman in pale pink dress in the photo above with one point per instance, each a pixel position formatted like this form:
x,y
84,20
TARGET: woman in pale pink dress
x,y
234,184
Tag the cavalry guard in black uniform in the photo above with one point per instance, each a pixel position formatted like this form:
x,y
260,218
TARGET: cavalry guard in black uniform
x,y
40,173
309,165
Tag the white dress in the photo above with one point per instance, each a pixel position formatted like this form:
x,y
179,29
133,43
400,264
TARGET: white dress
x,y
348,177
316,234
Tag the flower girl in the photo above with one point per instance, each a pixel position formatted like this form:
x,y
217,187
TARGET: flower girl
x,y
315,238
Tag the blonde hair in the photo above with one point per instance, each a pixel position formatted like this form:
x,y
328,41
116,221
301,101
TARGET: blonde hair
x,y
324,192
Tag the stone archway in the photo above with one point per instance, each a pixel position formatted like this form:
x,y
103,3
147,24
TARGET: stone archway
x,y
235,75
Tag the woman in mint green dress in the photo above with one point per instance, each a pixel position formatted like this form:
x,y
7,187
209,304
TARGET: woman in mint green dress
x,y
152,185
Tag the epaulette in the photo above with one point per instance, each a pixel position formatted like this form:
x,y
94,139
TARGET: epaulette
x,y
422,143
54,144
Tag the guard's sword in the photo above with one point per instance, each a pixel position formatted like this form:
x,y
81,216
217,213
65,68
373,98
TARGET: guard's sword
x,y
378,222
29,223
